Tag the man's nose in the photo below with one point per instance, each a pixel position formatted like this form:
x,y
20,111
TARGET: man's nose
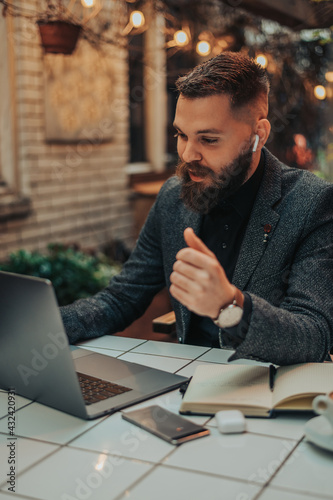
x,y
191,153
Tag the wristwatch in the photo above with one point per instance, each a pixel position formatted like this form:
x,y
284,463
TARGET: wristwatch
x,y
230,315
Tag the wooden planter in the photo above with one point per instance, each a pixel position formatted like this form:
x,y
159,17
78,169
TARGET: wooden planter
x,y
59,37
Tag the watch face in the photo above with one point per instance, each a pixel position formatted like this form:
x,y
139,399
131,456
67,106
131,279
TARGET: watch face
x,y
230,316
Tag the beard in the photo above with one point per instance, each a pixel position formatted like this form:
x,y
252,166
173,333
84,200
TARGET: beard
x,y
202,197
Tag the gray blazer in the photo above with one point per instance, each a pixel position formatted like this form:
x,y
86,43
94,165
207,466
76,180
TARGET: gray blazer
x,y
289,278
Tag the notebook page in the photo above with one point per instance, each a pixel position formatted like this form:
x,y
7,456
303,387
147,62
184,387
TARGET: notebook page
x,y
305,378
230,384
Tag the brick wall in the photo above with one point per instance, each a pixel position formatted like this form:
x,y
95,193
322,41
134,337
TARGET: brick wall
x,y
78,191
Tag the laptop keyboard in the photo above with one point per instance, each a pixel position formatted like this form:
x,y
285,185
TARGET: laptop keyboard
x,y
95,389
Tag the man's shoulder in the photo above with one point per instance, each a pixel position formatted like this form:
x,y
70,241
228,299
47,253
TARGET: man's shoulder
x,y
297,181
172,184
306,189
170,191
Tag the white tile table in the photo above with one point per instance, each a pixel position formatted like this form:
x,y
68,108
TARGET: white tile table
x,y
60,457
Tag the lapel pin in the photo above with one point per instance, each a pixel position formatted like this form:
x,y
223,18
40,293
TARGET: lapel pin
x,y
267,229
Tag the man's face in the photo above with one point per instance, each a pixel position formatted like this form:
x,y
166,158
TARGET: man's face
x,y
215,150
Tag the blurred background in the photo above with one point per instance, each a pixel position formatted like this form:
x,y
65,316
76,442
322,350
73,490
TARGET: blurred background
x,y
87,105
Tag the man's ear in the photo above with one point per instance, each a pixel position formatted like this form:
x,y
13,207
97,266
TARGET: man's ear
x,y
263,130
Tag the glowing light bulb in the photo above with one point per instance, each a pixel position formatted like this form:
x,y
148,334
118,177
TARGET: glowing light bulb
x,y
137,19
329,76
88,3
319,92
262,60
181,38
203,48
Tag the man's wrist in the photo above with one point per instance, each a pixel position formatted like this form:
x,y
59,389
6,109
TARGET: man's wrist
x,y
239,298
236,296
231,313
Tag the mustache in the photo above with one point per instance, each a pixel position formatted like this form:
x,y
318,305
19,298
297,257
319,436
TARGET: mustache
x,y
202,197
183,168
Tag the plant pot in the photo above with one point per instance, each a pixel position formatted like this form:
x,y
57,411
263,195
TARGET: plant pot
x,y
59,37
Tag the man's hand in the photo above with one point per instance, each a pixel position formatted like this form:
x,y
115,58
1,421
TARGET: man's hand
x,y
198,279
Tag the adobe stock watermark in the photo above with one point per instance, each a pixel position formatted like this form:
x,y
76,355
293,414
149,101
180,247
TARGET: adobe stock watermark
x,y
279,121
90,138
286,456
12,440
40,359
83,149
263,474
85,488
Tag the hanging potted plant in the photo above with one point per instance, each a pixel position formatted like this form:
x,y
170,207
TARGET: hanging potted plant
x,y
61,22
59,33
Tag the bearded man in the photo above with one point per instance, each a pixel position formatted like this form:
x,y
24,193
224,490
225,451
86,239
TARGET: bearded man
x,y
243,243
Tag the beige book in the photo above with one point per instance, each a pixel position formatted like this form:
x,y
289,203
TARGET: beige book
x,y
256,390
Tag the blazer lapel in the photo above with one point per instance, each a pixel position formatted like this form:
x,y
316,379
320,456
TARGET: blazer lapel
x,y
262,223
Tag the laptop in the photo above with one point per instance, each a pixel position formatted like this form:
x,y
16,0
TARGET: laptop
x,y
37,362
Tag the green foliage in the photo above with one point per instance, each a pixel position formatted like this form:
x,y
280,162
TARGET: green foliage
x,y
74,274
320,174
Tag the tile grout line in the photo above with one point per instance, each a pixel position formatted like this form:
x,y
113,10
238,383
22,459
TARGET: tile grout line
x,y
309,496
296,440
164,356
113,349
160,463
131,349
192,360
33,465
205,473
18,496
268,482
60,447
136,482
149,472
17,410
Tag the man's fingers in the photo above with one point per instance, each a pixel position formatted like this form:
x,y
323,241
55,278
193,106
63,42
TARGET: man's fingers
x,y
181,295
195,242
185,282
188,270
195,258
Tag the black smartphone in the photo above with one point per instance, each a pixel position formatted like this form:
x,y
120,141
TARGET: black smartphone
x,y
165,424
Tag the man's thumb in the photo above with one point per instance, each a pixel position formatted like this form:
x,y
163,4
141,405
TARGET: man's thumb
x,y
195,242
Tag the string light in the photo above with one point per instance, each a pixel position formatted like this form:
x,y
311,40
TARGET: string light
x,y
137,19
181,38
320,92
329,76
88,3
203,48
262,60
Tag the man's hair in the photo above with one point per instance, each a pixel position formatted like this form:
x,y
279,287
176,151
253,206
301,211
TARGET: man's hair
x,y
230,73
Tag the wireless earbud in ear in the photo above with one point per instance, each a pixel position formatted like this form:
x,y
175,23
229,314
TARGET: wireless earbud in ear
x,y
255,144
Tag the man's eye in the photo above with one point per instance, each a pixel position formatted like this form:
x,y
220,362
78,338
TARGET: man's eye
x,y
209,140
179,134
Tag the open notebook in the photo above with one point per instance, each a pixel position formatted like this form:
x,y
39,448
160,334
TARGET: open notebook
x,y
256,390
